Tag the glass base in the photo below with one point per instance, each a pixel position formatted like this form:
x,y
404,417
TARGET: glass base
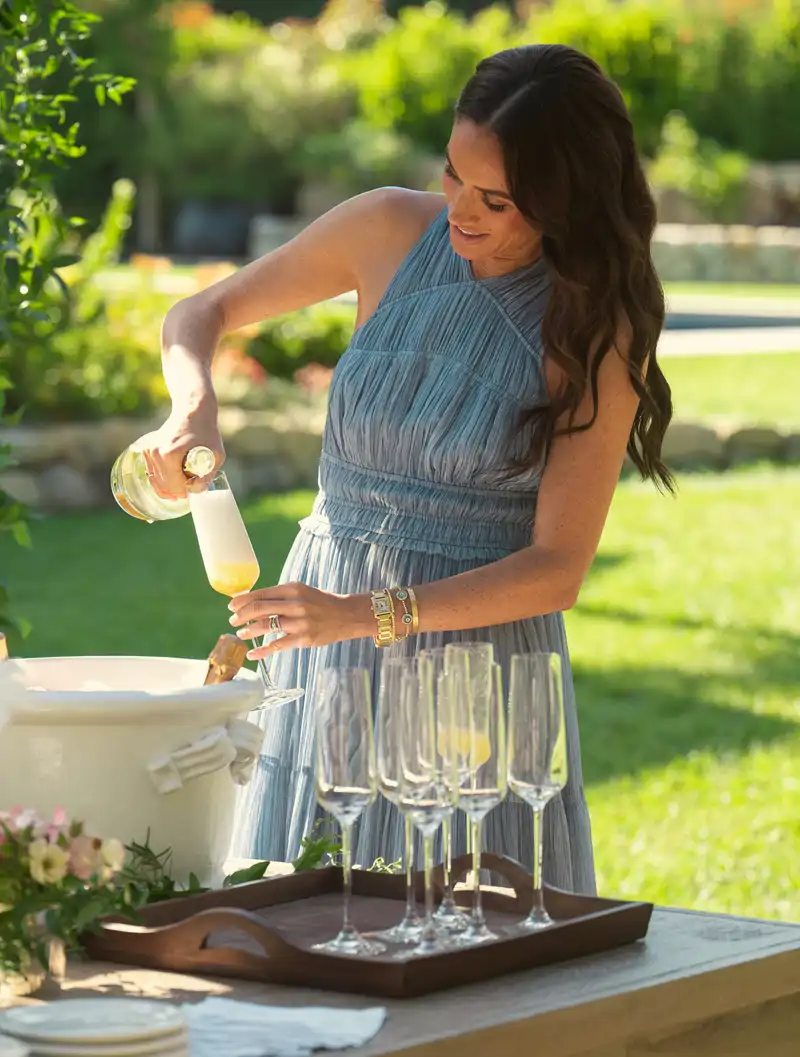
x,y
537,919
350,942
473,935
424,947
451,918
273,696
409,930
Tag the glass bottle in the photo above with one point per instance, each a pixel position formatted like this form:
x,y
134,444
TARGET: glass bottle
x,y
134,491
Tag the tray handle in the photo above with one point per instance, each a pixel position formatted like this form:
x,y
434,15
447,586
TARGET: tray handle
x,y
190,936
514,872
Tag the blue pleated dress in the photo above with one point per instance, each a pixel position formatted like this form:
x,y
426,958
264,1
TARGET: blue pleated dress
x,y
422,418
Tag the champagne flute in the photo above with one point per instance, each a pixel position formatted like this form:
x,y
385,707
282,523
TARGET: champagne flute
x,y
537,752
346,778
480,743
228,557
448,915
387,737
427,781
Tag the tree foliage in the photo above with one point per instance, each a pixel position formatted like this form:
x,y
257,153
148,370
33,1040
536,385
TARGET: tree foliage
x,y
41,66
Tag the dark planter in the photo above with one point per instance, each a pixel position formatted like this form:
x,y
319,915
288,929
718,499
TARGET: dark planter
x,y
211,229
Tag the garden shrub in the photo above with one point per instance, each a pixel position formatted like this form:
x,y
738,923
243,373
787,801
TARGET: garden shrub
x,y
712,178
316,335
82,356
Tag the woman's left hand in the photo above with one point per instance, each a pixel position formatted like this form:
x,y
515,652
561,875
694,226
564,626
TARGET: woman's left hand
x,y
305,615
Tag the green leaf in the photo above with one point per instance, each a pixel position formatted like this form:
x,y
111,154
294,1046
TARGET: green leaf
x,y
64,260
100,94
313,853
255,872
89,913
21,533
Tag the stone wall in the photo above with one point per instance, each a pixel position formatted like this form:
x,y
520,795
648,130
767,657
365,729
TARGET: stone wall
x,y
735,254
682,252
67,467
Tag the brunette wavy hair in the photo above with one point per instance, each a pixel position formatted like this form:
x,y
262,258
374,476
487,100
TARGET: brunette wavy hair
x,y
574,173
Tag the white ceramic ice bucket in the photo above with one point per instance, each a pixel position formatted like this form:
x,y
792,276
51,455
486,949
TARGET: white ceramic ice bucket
x,y
100,730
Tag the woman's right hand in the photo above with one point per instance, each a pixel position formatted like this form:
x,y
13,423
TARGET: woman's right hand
x,y
166,448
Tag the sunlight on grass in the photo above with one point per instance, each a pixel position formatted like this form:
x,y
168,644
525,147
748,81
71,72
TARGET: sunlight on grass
x,y
686,647
756,390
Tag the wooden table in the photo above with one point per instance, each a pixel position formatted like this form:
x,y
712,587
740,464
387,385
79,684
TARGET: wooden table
x,y
701,985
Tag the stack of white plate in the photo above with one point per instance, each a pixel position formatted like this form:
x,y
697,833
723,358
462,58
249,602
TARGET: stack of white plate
x,y
98,1027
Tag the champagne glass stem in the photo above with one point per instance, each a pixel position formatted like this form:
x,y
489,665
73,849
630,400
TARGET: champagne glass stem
x,y
538,916
411,902
264,672
429,942
447,863
348,931
478,920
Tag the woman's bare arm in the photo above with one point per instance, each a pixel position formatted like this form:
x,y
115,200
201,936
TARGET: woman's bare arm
x,y
328,258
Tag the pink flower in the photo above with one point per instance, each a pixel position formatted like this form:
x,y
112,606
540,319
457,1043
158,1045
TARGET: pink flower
x,y
23,818
58,827
85,857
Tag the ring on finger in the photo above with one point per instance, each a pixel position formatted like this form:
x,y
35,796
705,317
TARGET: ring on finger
x,y
275,625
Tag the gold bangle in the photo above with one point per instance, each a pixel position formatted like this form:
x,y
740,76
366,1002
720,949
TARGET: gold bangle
x,y
383,611
414,611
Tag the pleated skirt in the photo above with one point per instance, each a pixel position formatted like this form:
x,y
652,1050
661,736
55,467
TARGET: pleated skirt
x,y
278,808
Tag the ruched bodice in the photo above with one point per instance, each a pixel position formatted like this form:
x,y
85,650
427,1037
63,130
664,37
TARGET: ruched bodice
x,y
425,407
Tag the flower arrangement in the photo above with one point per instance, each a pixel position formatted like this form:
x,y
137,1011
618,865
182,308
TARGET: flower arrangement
x,y
56,882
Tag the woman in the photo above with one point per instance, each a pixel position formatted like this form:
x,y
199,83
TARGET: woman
x,y
503,361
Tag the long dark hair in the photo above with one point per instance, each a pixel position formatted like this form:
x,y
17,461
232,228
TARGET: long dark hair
x,y
574,173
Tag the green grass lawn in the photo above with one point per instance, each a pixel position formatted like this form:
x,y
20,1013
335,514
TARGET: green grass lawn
x,y
760,389
685,643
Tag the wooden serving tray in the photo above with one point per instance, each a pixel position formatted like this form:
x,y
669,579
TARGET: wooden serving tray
x,y
264,931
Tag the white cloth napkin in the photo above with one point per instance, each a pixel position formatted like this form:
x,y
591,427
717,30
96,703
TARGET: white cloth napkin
x,y
244,1029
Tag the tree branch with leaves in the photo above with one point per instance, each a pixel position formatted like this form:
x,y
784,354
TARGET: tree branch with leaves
x,y
41,66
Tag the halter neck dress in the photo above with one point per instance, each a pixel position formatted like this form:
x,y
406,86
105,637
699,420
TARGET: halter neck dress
x,y
413,487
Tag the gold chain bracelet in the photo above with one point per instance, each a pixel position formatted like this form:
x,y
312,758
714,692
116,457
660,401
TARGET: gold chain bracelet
x,y
410,618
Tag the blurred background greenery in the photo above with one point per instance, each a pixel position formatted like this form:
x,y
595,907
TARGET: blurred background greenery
x,y
686,639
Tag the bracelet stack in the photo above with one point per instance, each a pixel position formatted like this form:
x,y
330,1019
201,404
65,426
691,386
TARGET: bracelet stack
x,y
385,605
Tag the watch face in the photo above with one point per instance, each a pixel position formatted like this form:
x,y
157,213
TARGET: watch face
x,y
381,605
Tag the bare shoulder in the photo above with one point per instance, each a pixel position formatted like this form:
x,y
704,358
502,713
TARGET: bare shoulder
x,y
391,220
357,245
394,219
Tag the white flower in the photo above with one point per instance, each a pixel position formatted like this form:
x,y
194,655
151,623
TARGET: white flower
x,y
48,862
112,852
